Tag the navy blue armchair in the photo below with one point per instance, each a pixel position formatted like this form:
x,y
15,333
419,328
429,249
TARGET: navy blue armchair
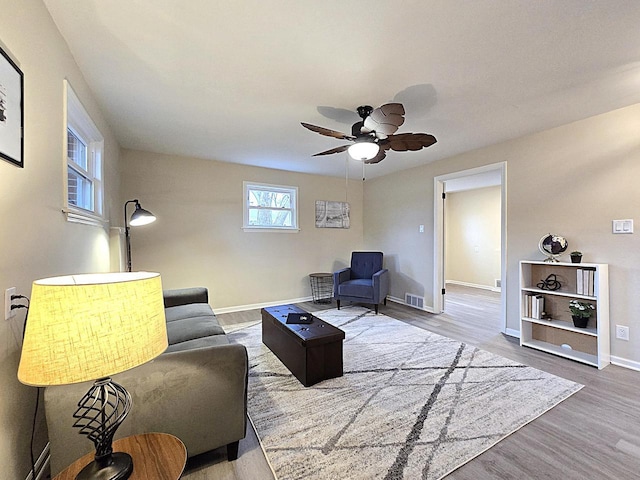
x,y
364,282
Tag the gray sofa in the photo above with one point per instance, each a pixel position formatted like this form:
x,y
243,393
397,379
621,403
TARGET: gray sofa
x,y
196,390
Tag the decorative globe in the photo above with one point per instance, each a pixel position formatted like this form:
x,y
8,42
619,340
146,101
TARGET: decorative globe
x,y
552,246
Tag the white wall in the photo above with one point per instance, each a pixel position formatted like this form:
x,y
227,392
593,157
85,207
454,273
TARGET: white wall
x,y
472,236
198,238
572,180
36,239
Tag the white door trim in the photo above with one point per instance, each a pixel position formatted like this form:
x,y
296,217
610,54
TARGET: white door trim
x,y
438,230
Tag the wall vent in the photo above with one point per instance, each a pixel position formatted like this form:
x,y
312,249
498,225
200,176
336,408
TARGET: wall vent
x,y
414,300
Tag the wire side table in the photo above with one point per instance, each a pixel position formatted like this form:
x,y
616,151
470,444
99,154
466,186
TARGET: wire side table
x,y
321,287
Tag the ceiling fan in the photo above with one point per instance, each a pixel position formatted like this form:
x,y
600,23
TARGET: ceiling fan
x,y
374,134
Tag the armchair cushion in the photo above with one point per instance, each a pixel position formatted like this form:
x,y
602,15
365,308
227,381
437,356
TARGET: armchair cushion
x,y
365,264
360,287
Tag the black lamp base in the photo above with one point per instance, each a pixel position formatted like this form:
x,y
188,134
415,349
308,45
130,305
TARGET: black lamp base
x,y
119,467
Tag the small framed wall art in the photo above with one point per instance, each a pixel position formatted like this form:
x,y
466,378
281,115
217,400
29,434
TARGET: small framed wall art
x,y
332,214
11,111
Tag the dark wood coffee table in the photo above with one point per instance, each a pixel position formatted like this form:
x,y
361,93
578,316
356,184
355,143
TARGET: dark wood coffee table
x,y
312,352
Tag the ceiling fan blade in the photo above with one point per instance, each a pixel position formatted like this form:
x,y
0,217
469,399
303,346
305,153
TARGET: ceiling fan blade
x,y
395,108
410,141
333,150
341,115
327,132
378,158
385,120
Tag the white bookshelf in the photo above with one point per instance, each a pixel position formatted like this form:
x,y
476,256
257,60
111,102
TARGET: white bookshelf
x,y
556,334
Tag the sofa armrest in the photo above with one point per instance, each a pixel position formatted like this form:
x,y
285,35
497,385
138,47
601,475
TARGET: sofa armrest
x,y
198,395
380,285
184,296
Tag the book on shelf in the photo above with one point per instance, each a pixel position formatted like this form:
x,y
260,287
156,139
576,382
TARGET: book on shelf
x,y
538,307
579,282
533,306
585,281
540,303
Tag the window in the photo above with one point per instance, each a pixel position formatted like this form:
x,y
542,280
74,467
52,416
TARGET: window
x,y
270,207
84,148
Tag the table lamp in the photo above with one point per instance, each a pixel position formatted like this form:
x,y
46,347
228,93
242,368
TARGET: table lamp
x,y
89,327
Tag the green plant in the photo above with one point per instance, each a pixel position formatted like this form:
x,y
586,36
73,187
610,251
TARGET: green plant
x,y
576,252
581,309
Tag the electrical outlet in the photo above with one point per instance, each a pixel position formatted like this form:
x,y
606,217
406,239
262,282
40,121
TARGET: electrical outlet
x,y
8,313
622,332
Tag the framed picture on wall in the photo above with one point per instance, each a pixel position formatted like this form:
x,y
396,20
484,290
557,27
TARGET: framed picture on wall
x,y
11,111
332,214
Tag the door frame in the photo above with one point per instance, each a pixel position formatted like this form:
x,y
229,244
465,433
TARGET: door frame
x,y
438,235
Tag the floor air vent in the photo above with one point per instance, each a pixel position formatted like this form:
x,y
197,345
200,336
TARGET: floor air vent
x,y
414,300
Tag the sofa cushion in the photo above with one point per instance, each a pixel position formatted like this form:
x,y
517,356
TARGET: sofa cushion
x,y
184,296
188,311
195,327
191,325
210,341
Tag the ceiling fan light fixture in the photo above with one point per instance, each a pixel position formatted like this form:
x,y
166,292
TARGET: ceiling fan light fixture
x,y
363,150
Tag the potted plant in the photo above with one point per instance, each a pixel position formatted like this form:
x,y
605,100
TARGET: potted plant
x,y
581,312
576,256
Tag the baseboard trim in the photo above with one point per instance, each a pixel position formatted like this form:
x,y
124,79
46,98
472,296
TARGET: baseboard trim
x,y
626,363
512,332
402,302
41,465
473,285
257,306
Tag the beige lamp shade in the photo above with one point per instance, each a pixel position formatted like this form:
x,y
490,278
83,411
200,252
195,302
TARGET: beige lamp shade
x,y
85,327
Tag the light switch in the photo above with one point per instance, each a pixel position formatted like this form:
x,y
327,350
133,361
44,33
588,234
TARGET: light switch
x,y
623,226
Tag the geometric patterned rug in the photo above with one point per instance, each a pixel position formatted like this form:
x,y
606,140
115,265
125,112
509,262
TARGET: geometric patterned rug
x,y
411,404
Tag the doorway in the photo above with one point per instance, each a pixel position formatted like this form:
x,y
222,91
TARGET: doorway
x,y
472,179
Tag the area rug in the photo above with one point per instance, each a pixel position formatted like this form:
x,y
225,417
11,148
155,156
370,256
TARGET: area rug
x,y
411,404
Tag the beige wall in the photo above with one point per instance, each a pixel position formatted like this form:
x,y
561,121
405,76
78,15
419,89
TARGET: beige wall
x,y
36,239
198,238
472,236
572,180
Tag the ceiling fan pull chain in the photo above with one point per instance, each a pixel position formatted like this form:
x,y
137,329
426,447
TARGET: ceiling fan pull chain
x,y
346,178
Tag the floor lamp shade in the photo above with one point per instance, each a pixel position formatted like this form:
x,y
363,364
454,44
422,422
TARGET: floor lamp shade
x,y
86,327
139,217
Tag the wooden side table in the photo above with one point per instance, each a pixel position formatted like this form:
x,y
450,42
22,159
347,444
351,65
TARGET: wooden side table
x,y
157,456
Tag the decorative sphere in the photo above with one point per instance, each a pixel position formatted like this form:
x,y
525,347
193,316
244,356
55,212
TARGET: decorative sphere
x,y
552,245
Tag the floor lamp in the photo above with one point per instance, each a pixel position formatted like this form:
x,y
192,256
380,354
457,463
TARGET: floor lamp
x,y
88,327
139,217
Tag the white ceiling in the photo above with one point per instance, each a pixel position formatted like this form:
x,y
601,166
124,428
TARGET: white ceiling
x,y
232,80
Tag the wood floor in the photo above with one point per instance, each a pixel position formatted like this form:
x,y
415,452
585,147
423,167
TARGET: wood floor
x,y
593,435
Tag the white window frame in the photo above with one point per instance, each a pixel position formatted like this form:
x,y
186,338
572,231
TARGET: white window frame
x,y
293,191
78,121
